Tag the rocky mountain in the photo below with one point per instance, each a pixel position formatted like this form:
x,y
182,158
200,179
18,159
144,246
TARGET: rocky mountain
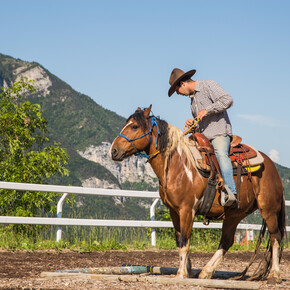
x,y
82,126
133,169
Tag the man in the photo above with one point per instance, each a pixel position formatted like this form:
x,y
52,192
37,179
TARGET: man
x,y
209,102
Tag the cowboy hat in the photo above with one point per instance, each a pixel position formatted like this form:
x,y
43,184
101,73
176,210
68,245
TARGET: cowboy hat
x,y
176,76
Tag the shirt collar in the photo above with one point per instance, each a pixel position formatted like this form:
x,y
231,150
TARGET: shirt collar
x,y
196,89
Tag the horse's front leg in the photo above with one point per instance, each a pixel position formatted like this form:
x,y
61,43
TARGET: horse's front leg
x,y
227,240
183,233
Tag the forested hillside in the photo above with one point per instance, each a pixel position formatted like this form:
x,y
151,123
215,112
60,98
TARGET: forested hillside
x,y
77,122
285,175
74,119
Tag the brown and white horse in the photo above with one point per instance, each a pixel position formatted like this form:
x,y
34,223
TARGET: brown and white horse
x,y
181,189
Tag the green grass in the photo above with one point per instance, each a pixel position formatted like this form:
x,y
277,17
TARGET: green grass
x,y
76,238
87,239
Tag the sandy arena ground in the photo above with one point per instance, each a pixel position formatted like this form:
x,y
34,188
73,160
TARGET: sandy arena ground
x,y
21,270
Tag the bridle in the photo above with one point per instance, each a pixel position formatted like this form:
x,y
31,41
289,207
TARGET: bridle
x,y
138,153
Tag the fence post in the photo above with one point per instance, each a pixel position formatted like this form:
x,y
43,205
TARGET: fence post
x,y
152,218
250,235
59,215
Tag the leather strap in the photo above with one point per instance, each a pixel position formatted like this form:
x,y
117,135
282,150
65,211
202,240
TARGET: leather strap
x,y
239,177
208,197
210,190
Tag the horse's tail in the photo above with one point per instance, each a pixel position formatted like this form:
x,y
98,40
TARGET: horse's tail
x,y
263,270
282,224
282,219
259,242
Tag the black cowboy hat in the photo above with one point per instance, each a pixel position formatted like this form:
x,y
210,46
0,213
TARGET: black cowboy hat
x,y
176,76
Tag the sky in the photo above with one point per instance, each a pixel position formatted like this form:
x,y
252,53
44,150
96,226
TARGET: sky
x,y
121,54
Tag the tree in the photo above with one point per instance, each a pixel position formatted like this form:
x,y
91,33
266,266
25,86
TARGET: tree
x,y
25,152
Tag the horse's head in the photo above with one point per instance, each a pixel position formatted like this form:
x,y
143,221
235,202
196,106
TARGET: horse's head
x,y
135,135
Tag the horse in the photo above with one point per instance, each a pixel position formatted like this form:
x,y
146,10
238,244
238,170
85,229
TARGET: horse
x,y
182,188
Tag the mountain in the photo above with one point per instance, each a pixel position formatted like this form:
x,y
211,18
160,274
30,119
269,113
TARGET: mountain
x,y
86,130
82,126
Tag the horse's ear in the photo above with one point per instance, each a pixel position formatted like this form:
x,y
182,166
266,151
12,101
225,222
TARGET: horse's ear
x,y
138,109
147,112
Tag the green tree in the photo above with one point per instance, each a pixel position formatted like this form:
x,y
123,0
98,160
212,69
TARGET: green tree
x,y
25,152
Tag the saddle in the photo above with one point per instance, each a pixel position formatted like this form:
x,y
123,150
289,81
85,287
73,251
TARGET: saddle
x,y
239,154
245,160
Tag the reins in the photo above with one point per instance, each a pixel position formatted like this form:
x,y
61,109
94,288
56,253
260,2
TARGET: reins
x,y
192,126
138,153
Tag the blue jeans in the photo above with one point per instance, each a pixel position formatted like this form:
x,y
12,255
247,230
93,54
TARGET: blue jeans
x,y
221,145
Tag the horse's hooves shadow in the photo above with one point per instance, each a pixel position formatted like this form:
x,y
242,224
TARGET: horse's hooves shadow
x,y
222,275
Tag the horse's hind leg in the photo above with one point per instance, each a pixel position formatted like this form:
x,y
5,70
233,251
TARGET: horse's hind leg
x,y
272,207
183,227
227,240
273,223
274,276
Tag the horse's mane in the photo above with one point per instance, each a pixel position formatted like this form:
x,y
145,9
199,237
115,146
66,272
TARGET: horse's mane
x,y
171,139
179,142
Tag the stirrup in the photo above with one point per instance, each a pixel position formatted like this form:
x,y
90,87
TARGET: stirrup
x,y
227,197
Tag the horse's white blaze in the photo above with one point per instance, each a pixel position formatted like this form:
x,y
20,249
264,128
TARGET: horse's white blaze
x,y
126,126
110,150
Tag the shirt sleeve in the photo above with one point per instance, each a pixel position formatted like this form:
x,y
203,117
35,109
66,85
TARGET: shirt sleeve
x,y
221,100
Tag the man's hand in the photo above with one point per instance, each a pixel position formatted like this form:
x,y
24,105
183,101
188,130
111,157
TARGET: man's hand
x,y
201,114
188,123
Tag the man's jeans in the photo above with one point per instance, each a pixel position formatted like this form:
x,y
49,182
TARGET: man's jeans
x,y
221,145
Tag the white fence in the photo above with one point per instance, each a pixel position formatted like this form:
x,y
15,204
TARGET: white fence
x,y
66,190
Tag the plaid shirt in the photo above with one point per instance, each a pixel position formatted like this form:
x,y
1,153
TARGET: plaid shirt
x,y
211,96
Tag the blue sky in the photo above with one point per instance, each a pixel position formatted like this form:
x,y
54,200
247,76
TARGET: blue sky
x,y
121,53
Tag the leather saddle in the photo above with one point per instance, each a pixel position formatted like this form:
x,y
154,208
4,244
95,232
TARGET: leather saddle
x,y
242,156
239,153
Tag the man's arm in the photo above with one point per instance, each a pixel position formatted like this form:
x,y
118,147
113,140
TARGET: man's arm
x,y
220,98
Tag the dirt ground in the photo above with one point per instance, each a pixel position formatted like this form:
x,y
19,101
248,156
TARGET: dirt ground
x,y
21,270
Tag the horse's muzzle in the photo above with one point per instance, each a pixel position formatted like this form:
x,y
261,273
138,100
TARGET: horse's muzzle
x,y
116,154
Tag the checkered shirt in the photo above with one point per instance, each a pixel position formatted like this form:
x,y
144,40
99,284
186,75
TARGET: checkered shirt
x,y
211,96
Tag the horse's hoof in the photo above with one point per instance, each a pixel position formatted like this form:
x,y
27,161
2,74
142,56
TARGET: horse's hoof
x,y
182,275
205,275
274,278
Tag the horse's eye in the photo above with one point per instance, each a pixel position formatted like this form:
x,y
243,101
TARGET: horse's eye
x,y
135,127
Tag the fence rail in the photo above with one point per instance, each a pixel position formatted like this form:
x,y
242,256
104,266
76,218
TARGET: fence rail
x,y
66,190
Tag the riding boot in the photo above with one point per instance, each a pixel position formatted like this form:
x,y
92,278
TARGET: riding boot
x,y
228,197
